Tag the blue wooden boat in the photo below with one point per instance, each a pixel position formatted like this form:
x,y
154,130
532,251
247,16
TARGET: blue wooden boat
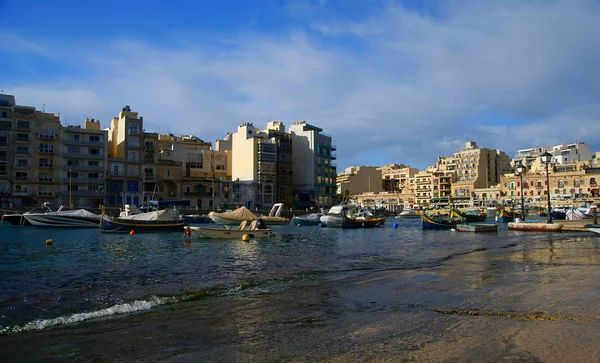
x,y
440,222
505,215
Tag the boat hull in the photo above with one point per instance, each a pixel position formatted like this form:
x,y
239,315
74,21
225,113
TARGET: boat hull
x,y
535,226
593,228
481,227
307,220
332,221
16,219
110,224
64,219
436,223
350,222
223,233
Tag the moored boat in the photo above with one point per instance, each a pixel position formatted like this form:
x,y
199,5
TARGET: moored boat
x,y
196,218
244,214
593,228
312,219
535,226
477,227
253,231
440,222
155,221
76,218
504,215
335,215
362,222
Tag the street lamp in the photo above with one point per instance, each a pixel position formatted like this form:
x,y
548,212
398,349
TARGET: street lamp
x,y
70,189
546,159
521,170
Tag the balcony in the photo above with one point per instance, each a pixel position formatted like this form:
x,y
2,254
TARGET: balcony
x,y
46,151
83,181
198,194
83,143
46,136
83,156
83,193
46,180
83,168
46,194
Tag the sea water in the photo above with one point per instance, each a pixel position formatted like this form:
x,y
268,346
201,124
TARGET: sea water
x,y
85,277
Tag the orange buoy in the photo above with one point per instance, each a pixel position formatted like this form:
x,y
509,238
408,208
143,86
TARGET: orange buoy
x,y
132,232
49,241
188,231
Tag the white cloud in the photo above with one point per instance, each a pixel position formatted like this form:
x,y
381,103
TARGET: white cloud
x,y
405,87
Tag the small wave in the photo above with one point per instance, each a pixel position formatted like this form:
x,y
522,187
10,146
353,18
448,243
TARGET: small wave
x,y
137,305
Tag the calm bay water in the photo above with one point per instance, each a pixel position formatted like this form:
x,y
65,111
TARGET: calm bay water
x,y
87,279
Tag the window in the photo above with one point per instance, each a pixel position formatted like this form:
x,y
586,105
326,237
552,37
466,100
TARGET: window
x,y
22,124
22,150
46,134
44,177
168,173
149,158
188,189
116,170
93,163
3,141
21,175
72,162
94,151
4,127
94,138
22,163
73,137
132,172
93,175
149,172
46,163
193,165
133,141
149,145
44,191
73,149
46,148
133,129
133,156
22,137
21,188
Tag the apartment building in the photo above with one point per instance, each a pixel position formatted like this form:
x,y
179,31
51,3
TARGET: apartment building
x,y
561,154
314,172
202,171
124,179
82,168
359,179
396,177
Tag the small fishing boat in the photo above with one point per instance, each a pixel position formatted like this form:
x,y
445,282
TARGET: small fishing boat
x,y
440,222
477,227
504,215
18,219
155,221
362,222
312,219
470,215
535,226
593,228
253,231
409,213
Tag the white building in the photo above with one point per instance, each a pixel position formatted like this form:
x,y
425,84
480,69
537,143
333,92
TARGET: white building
x,y
314,173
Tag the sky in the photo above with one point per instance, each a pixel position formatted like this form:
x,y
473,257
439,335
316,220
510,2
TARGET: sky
x,y
391,81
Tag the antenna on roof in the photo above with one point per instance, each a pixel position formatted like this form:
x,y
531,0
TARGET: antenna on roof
x,y
44,107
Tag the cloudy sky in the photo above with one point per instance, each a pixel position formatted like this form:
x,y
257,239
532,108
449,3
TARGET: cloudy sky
x,y
391,81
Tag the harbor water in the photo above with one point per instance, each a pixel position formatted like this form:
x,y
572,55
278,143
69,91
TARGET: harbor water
x,y
306,294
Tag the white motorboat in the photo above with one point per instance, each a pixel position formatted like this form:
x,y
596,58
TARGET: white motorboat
x,y
335,216
76,218
228,233
234,218
593,227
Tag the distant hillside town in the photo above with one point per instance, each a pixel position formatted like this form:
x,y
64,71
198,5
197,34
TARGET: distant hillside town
x,y
42,160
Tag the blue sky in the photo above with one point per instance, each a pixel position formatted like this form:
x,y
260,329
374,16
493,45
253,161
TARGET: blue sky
x,y
391,81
